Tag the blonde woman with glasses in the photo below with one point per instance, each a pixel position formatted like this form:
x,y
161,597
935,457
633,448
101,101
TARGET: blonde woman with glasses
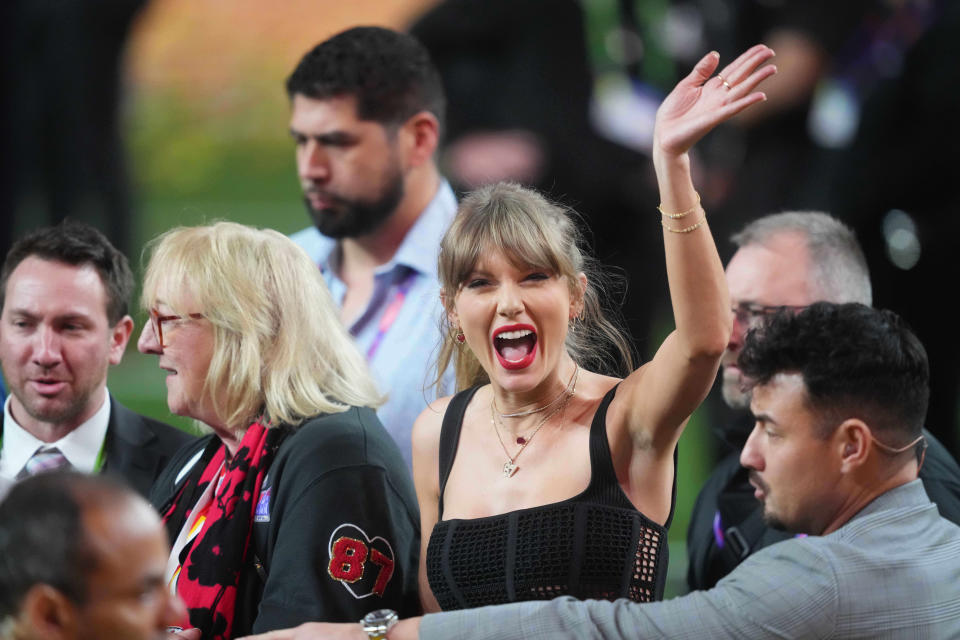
x,y
298,505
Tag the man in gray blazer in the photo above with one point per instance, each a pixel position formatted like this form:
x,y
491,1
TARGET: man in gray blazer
x,y
792,260
839,399
64,292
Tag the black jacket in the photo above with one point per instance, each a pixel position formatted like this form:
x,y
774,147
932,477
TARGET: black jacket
x,y
336,531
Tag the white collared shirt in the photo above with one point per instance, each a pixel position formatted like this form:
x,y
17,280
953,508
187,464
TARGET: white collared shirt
x,y
80,447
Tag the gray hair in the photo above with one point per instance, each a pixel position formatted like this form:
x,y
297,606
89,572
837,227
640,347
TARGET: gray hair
x,y
838,266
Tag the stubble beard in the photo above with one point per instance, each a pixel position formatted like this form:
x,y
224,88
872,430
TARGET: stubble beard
x,y
773,521
50,411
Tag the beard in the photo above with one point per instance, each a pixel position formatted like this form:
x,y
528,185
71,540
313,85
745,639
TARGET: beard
x,y
735,392
354,217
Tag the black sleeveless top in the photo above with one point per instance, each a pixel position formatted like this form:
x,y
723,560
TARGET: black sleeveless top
x,y
595,545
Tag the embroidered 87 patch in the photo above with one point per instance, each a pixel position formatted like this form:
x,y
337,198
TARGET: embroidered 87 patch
x,y
363,565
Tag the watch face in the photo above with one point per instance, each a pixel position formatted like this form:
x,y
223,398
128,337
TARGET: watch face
x,y
379,621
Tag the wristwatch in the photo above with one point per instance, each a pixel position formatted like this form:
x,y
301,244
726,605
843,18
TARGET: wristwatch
x,y
377,623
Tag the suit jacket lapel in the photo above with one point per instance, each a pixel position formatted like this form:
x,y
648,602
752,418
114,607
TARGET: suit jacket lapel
x,y
129,453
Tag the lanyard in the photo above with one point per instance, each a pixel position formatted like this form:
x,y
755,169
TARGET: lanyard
x,y
390,313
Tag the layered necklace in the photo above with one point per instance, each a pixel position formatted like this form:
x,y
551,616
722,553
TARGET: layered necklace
x,y
556,405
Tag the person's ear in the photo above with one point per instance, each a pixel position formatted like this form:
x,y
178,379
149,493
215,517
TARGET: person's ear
x,y
577,297
853,441
119,337
46,612
419,137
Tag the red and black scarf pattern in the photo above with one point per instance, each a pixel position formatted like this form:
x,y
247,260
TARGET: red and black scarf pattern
x,y
212,563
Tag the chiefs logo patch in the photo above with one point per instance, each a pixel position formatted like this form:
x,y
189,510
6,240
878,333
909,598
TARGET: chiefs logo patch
x,y
363,565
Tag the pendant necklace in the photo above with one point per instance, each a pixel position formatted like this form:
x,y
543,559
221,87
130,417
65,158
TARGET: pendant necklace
x,y
510,466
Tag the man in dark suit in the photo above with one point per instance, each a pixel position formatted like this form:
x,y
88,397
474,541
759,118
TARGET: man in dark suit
x,y
64,293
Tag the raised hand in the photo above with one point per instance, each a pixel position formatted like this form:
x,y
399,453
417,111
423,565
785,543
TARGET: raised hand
x,y
700,102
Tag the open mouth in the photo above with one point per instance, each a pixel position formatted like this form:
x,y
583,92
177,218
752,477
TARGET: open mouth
x,y
48,385
516,345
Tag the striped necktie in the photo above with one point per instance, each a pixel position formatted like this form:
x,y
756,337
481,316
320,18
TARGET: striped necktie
x,y
44,460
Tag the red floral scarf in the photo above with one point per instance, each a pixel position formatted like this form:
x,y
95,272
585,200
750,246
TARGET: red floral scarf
x,y
212,563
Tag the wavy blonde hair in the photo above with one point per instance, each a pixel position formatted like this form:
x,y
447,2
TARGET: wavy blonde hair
x,y
530,231
280,352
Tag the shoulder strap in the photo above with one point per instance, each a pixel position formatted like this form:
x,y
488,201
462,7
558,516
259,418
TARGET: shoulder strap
x,y
603,477
450,436
742,539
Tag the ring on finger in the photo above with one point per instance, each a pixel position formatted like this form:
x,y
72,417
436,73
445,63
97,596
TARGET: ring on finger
x,y
724,82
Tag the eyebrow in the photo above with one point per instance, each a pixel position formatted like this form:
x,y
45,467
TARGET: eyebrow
x,y
327,137
30,315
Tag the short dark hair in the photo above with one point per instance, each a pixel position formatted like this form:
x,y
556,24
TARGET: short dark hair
x,y
42,537
856,361
389,73
76,244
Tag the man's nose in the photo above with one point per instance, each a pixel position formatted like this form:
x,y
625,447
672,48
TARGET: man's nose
x,y
314,163
750,456
738,332
47,352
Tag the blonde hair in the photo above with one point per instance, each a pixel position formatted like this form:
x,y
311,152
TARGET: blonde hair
x,y
530,231
280,352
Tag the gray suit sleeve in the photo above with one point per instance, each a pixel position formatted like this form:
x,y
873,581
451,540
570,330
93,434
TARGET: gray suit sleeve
x,y
787,590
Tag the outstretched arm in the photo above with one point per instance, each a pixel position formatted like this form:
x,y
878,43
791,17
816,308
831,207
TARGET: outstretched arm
x,y
656,400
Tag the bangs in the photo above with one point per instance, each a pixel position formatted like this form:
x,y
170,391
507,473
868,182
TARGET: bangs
x,y
523,234
171,276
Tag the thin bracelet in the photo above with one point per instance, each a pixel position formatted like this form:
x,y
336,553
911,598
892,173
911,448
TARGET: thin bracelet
x,y
692,227
677,216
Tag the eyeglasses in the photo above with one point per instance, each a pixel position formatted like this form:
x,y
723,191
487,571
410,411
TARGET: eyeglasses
x,y
157,320
750,314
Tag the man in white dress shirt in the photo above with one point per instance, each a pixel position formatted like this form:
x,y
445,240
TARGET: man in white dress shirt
x,y
64,292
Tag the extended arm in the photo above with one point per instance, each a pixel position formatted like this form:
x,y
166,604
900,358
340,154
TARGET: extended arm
x,y
791,594
655,401
785,591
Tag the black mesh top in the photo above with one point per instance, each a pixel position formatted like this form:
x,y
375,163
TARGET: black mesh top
x,y
593,545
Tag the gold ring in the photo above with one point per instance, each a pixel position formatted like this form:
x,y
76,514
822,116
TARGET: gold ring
x,y
724,82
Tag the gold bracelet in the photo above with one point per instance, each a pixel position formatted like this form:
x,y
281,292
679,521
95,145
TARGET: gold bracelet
x,y
692,227
677,216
